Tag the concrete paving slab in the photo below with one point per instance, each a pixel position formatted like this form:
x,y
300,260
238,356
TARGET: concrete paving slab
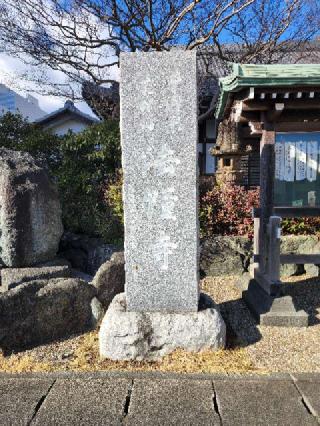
x,y
306,376
258,403
84,402
172,402
19,399
310,391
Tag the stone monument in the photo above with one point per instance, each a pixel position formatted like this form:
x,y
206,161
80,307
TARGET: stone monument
x,y
30,211
161,308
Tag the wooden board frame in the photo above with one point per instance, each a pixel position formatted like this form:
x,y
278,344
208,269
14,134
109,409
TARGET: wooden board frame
x,y
267,112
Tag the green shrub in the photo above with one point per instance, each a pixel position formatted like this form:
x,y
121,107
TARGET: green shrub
x,y
80,164
88,160
113,195
301,226
18,134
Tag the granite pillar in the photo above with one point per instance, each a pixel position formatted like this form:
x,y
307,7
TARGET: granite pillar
x,y
159,132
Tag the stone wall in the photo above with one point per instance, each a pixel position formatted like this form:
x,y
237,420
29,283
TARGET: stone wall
x,y
232,255
85,253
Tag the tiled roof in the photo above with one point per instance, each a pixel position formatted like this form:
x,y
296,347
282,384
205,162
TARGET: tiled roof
x,y
257,75
211,67
70,108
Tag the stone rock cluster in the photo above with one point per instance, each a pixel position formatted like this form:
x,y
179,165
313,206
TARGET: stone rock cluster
x,y
85,253
110,278
40,304
41,295
13,277
232,255
108,282
225,255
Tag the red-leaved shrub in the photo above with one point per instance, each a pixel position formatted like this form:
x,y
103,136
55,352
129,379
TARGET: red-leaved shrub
x,y
227,210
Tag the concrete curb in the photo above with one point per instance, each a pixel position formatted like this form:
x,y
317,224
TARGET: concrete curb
x,y
153,375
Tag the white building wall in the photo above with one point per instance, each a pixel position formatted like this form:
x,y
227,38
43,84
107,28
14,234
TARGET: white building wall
x,y
3,110
61,129
29,107
11,101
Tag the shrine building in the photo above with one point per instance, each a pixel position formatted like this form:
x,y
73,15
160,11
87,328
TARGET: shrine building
x,y
271,114
284,98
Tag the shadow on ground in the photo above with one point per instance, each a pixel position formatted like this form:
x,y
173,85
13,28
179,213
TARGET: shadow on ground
x,y
242,328
306,296
12,349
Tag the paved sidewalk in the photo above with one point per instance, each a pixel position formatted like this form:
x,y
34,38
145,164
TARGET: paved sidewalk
x,y
159,399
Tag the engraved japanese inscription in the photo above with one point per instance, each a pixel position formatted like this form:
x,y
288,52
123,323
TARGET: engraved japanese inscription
x,y
159,153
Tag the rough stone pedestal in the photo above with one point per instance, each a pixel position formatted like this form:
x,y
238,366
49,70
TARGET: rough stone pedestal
x,y
268,310
150,335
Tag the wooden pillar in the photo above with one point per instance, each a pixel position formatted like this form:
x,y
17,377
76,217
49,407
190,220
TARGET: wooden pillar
x,y
267,169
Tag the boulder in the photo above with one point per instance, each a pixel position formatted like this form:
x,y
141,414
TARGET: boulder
x,y
12,277
110,278
57,261
30,212
290,270
98,311
84,252
312,270
42,311
221,255
300,244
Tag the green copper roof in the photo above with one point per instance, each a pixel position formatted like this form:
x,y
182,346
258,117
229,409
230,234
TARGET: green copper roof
x,y
279,75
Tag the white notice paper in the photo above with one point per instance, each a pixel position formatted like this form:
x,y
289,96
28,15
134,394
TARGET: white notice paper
x,y
279,161
301,160
312,161
289,161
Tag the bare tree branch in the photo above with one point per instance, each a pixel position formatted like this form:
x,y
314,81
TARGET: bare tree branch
x,y
82,39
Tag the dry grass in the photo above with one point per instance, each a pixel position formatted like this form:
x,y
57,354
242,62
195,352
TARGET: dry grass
x,y
223,361
22,364
86,358
251,348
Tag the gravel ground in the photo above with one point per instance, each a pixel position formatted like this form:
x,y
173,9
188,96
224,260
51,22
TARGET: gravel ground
x,y
251,348
275,349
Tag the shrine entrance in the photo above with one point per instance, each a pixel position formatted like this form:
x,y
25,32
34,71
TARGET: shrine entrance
x,y
279,105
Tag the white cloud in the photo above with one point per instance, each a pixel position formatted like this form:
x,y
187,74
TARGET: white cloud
x,y
21,77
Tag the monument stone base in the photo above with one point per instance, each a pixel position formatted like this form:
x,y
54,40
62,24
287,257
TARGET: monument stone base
x,y
268,310
151,335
